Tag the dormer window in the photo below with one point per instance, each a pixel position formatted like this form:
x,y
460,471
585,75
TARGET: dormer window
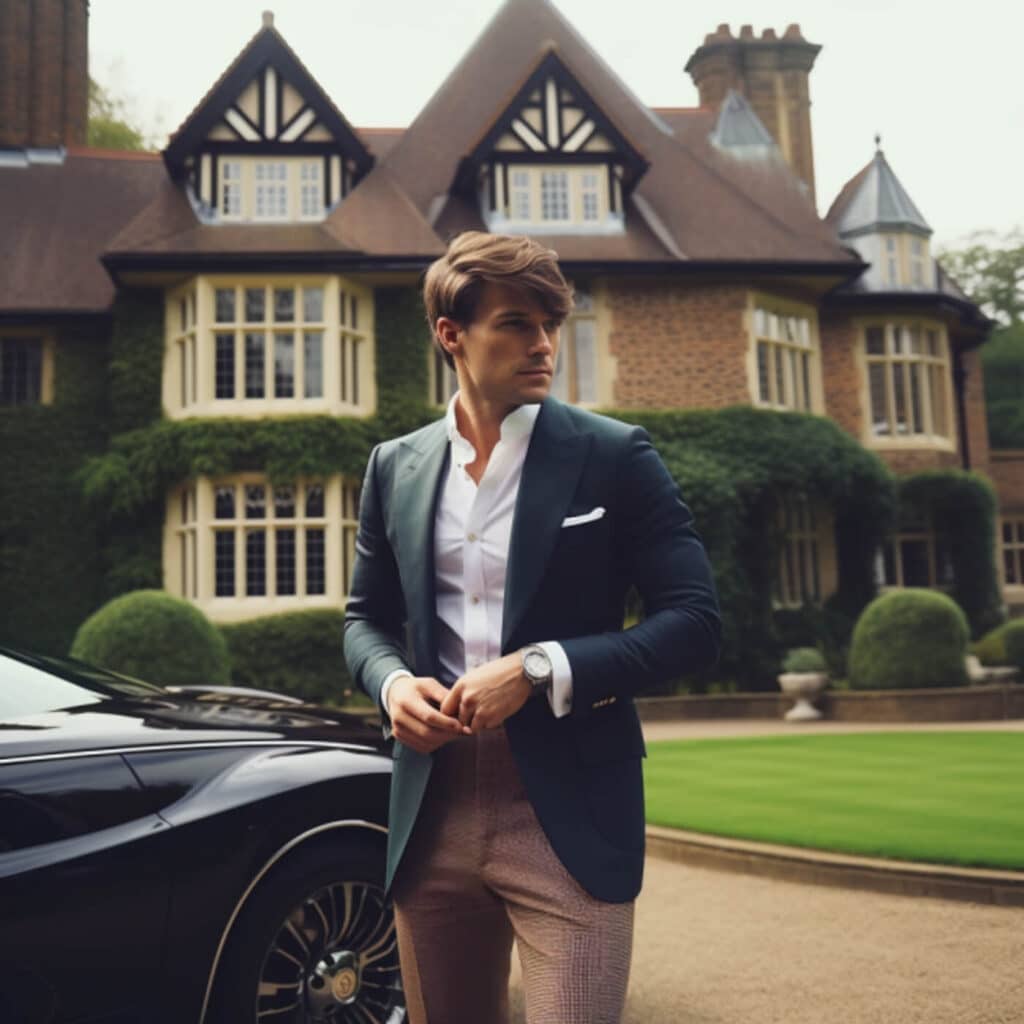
x,y
552,162
279,190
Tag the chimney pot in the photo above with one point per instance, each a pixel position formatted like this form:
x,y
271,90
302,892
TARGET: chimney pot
x,y
268,19
793,32
724,32
769,35
747,32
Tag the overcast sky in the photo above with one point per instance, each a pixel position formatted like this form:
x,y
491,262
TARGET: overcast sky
x,y
938,83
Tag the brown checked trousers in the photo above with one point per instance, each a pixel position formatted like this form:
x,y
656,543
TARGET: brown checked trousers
x,y
478,873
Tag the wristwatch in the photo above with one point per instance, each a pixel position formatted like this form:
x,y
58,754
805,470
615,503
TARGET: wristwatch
x,y
537,668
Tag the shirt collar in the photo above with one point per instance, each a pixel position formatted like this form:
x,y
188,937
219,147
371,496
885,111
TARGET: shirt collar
x,y
517,425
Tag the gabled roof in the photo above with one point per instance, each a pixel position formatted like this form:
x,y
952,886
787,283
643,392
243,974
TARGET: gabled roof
x,y
706,205
267,47
874,200
57,220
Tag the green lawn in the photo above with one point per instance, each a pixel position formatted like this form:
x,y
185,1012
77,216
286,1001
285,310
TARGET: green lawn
x,y
948,797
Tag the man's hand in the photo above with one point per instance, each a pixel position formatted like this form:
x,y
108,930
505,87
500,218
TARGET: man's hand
x,y
415,719
485,696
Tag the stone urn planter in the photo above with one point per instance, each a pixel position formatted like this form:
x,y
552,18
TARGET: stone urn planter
x,y
803,677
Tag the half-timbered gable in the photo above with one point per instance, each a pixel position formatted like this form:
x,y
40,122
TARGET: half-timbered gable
x,y
266,144
553,160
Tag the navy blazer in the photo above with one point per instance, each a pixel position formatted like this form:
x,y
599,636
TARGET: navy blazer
x,y
568,583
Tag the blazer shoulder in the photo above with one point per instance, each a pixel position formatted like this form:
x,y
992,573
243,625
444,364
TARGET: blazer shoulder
x,y
605,428
422,439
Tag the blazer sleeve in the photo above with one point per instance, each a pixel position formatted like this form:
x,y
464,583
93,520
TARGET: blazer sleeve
x,y
658,551
375,610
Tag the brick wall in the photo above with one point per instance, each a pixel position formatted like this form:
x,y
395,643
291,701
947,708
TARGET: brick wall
x,y
974,408
678,345
1006,469
840,373
44,79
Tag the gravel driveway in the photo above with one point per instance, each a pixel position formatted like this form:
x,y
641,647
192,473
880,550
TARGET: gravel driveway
x,y
720,948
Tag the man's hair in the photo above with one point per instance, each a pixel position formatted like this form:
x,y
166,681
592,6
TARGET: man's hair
x,y
454,283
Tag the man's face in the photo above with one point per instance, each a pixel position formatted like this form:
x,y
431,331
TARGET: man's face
x,y
506,356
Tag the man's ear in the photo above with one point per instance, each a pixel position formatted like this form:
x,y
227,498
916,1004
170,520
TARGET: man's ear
x,y
449,335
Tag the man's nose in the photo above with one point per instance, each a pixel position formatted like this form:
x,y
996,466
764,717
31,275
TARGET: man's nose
x,y
541,341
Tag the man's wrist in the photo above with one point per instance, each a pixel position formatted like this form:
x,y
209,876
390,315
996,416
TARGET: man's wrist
x,y
385,688
537,668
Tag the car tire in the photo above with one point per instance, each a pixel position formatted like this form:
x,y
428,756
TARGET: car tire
x,y
315,943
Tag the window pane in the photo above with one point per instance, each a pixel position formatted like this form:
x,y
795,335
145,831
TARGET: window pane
x,y
183,314
1007,532
937,378
315,501
932,343
780,383
224,563
256,563
876,341
224,502
255,305
520,195
790,399
763,388
914,372
284,305
586,360
878,379
343,306
554,195
313,305
225,305
1010,567
355,372
255,345
901,398
313,370
353,309
588,181
224,369
316,578
889,577
284,542
255,501
914,339
284,366
21,371
346,358
805,361
899,340
284,502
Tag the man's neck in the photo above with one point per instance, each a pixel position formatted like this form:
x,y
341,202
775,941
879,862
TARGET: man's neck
x,y
479,422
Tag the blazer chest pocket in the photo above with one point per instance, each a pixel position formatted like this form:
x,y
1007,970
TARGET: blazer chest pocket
x,y
609,733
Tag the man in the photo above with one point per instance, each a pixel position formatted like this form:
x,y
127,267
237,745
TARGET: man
x,y
495,551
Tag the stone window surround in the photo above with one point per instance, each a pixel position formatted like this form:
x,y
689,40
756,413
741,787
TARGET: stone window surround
x,y
937,557
246,184
784,307
922,441
904,259
189,547
189,371
1011,551
807,552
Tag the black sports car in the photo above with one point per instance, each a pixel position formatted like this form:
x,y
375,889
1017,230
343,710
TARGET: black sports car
x,y
188,855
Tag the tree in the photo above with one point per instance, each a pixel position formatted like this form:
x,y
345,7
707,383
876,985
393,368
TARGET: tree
x,y
109,122
991,270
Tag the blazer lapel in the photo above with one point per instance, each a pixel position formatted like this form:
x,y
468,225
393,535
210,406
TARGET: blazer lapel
x,y
551,471
420,472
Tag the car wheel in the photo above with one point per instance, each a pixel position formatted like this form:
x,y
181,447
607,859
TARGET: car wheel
x,y
314,944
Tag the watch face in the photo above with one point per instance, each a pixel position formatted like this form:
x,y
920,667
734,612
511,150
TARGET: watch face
x,y
537,665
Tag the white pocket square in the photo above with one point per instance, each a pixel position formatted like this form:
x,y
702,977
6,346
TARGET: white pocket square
x,y
587,517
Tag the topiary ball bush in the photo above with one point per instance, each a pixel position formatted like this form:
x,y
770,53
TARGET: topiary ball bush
x,y
153,636
1013,638
910,638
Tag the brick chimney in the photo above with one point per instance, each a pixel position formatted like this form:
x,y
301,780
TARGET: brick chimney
x,y
44,73
773,75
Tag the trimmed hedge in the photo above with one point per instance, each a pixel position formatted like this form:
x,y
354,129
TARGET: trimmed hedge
x,y
909,639
296,653
991,648
1014,639
154,636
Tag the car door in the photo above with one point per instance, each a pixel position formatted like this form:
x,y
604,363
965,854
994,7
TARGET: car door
x,y
83,892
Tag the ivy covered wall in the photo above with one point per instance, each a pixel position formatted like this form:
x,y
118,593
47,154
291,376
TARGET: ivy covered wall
x,y
87,478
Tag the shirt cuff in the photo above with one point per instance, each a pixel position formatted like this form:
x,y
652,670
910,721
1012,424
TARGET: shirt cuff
x,y
389,679
560,692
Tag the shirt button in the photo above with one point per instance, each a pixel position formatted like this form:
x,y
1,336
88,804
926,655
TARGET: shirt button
x,y
475,599
471,537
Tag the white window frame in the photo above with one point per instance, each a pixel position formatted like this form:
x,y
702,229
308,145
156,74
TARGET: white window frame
x,y
1011,550
784,355
294,189
190,545
345,329
940,570
911,350
580,330
40,391
803,529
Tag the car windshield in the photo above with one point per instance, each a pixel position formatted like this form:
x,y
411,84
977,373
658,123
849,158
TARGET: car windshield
x,y
34,684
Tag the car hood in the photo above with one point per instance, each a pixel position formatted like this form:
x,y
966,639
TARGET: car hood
x,y
171,719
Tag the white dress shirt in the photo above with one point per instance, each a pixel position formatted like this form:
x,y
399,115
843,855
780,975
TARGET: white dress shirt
x,y
472,530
